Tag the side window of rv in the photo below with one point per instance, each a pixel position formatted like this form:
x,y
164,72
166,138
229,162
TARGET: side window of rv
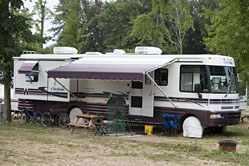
x,y
161,77
191,75
33,76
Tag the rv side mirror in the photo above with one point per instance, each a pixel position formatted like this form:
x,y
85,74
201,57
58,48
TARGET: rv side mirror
x,y
197,88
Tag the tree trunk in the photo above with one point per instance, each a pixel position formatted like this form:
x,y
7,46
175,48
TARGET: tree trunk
x,y
42,20
7,105
157,28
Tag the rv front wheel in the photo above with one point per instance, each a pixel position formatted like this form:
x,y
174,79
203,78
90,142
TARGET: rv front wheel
x,y
192,127
72,115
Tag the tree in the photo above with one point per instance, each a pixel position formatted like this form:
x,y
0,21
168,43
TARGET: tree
x,y
149,28
12,28
74,26
165,26
194,43
43,13
116,23
75,23
178,21
228,34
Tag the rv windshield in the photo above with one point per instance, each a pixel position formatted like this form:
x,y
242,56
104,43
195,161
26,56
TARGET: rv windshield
x,y
223,79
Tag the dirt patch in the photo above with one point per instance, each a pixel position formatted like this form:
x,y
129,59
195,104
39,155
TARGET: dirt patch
x,y
32,145
91,150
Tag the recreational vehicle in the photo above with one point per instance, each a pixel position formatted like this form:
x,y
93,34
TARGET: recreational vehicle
x,y
151,84
14,101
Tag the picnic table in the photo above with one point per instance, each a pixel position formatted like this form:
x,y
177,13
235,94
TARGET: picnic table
x,y
91,121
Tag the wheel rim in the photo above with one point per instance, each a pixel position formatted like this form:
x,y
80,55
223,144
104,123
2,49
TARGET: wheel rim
x,y
46,119
64,120
38,118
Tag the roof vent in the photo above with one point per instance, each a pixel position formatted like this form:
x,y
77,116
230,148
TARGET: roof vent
x,y
148,50
119,52
93,53
65,50
28,52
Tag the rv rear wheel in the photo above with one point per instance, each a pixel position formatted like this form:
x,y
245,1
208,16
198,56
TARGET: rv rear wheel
x,y
72,115
192,127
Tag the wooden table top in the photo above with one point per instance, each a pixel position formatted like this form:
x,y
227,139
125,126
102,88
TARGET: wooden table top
x,y
92,116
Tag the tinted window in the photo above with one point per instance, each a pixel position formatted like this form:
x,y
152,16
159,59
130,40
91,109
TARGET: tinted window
x,y
136,101
161,77
33,76
137,85
191,75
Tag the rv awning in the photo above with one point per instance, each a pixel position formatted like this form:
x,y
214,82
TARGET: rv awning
x,y
107,68
27,67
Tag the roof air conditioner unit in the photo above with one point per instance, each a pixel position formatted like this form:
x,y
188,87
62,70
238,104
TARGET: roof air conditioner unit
x,y
65,50
148,50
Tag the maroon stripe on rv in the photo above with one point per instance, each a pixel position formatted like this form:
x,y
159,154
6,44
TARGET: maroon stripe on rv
x,y
27,67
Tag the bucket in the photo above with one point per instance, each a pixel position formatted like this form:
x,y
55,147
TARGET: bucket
x,y
148,129
228,145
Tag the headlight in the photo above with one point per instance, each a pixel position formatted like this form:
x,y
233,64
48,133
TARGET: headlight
x,y
215,116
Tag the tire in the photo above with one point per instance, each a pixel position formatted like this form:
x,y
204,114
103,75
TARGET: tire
x,y
21,117
72,115
63,120
46,119
192,127
38,118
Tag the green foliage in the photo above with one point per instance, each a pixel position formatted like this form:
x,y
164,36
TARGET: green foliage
x,y
42,13
116,23
143,29
165,26
73,29
12,28
229,35
178,21
75,20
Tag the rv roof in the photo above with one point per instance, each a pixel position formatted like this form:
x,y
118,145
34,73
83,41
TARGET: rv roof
x,y
48,56
207,59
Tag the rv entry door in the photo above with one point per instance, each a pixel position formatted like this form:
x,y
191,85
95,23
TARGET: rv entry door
x,y
142,97
135,98
148,96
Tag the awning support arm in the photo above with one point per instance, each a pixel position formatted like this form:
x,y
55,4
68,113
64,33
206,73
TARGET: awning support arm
x,y
160,88
65,88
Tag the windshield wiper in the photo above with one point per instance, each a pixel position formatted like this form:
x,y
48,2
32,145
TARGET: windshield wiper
x,y
228,73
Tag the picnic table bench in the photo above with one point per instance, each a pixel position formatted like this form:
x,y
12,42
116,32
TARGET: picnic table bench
x,y
90,121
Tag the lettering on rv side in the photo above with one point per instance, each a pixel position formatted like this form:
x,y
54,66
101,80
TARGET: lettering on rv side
x,y
56,89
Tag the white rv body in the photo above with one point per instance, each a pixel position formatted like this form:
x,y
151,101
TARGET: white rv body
x,y
67,86
14,101
32,90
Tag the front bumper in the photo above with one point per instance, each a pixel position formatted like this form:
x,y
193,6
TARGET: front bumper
x,y
227,118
